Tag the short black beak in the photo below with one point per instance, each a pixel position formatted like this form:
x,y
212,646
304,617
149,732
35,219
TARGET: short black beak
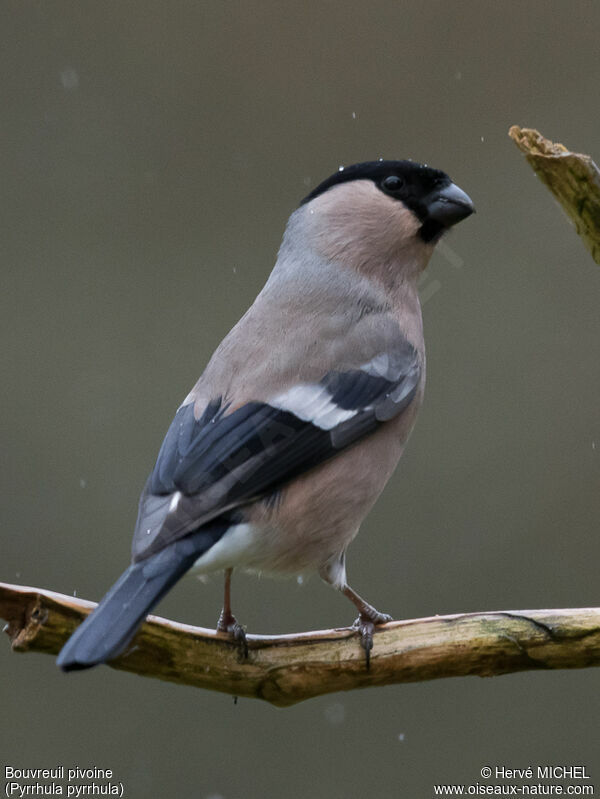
x,y
449,206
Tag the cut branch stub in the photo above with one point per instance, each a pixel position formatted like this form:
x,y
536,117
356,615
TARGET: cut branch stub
x,y
574,179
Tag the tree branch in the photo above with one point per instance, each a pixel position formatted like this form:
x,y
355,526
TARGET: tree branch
x,y
574,179
286,669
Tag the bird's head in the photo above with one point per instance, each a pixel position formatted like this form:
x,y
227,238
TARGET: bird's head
x,y
382,212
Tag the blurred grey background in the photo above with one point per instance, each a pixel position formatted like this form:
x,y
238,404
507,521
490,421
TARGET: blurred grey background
x,y
150,156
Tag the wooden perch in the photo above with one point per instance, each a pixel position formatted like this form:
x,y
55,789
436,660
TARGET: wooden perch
x,y
574,180
285,669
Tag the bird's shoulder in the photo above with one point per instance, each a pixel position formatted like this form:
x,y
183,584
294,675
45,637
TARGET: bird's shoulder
x,y
274,348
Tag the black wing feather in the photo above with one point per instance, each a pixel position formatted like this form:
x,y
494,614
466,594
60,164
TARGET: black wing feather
x,y
220,461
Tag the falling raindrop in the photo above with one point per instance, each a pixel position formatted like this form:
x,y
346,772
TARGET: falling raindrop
x,y
335,713
69,79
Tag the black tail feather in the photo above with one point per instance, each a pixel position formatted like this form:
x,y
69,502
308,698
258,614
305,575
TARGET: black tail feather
x,y
111,626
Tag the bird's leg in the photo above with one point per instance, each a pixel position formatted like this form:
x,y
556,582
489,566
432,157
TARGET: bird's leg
x,y
228,623
367,619
334,573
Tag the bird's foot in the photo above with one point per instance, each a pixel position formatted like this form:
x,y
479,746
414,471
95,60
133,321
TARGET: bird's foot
x,y
229,624
365,625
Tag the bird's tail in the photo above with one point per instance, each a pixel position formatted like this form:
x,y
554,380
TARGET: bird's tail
x,y
111,626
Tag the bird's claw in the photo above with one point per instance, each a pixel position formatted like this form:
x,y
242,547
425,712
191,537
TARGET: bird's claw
x,y
231,626
365,625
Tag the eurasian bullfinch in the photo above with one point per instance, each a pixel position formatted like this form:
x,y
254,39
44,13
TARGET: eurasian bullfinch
x,y
287,439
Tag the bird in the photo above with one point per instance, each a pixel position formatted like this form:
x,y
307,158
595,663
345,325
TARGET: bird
x,y
301,415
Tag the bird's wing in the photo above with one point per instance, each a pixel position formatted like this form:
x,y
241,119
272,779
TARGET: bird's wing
x,y
209,465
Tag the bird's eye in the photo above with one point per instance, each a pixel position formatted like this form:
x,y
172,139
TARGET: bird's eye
x,y
393,183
